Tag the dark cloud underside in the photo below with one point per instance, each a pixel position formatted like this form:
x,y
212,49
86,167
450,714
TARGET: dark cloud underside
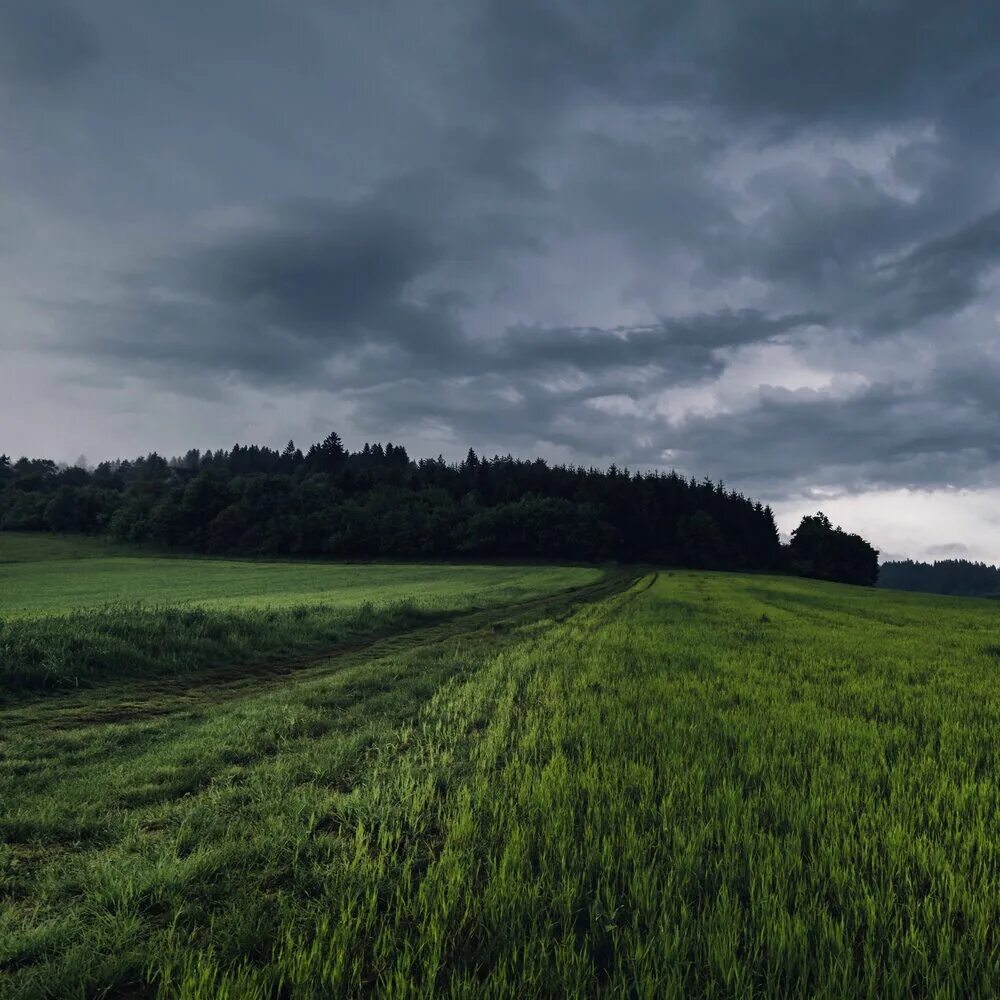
x,y
758,241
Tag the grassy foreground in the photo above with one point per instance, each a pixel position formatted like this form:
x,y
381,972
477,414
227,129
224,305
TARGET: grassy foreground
x,y
705,786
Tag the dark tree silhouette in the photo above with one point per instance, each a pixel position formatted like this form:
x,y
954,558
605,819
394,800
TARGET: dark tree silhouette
x,y
254,500
328,456
821,550
945,576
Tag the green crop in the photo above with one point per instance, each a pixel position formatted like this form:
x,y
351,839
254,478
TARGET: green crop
x,y
47,574
702,785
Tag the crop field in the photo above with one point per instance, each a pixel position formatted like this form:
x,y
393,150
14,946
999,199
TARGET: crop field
x,y
74,610
48,574
628,783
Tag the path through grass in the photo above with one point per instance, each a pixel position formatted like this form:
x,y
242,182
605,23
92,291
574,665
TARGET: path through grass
x,y
708,785
189,616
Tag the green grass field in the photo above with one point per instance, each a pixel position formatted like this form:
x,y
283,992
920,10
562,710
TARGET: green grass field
x,y
74,611
49,574
683,785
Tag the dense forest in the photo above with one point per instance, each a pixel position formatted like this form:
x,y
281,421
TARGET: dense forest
x,y
329,501
946,576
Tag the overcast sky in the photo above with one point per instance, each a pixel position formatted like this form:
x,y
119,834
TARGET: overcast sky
x,y
754,241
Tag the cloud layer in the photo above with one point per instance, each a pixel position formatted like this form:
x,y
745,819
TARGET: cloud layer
x,y
759,242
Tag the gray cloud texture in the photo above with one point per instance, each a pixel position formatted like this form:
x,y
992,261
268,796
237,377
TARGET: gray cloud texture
x,y
755,241
44,42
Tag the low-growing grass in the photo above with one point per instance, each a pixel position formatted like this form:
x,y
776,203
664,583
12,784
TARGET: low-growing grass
x,y
706,786
40,546
46,574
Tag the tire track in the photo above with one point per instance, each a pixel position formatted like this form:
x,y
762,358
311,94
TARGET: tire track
x,y
114,703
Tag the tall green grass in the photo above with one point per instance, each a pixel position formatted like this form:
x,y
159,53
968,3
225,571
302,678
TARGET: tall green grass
x,y
710,786
75,611
131,640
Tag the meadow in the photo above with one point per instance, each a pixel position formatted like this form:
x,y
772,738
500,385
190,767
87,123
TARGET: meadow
x,y
75,610
50,574
660,784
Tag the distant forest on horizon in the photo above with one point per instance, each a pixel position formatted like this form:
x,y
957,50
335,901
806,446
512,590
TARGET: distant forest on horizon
x,y
960,577
378,502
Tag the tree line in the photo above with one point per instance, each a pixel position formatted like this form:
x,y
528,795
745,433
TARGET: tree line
x,y
944,576
329,501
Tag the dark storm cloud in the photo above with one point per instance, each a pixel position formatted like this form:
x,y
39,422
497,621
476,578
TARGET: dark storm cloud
x,y
273,300
938,278
793,63
920,435
327,294
554,420
687,348
316,269
817,231
44,41
849,63
536,224
916,434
